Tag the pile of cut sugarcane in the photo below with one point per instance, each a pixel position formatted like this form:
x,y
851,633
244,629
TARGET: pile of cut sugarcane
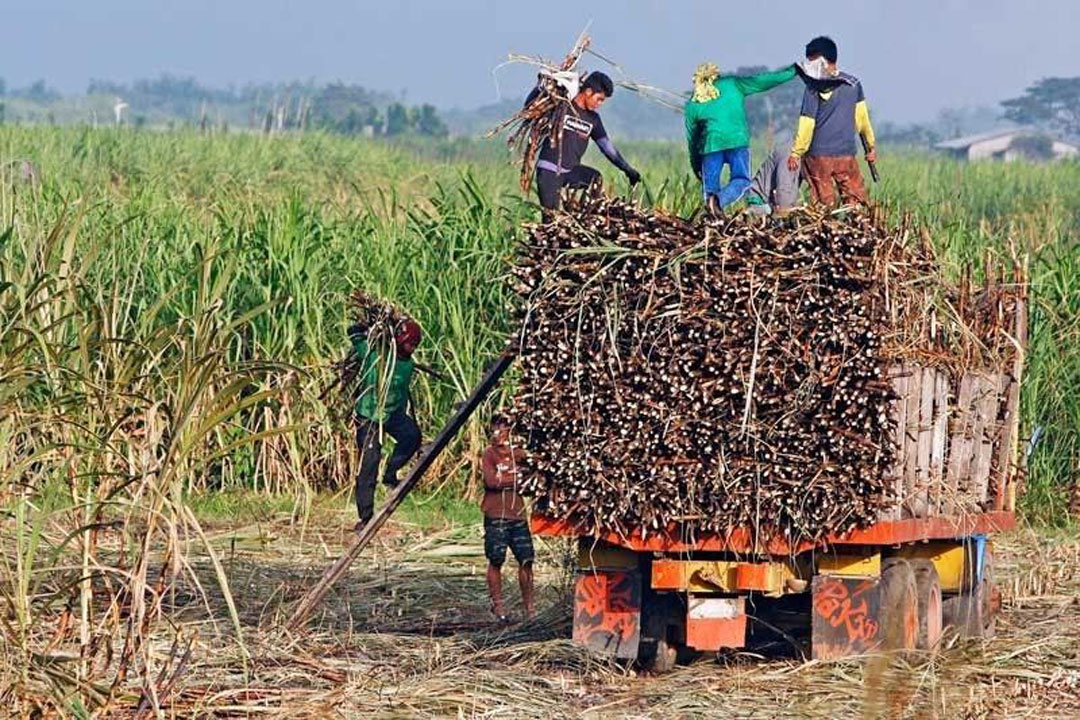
x,y
713,375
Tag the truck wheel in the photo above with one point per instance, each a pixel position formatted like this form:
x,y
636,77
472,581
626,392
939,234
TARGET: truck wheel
x,y
928,591
899,606
663,660
972,612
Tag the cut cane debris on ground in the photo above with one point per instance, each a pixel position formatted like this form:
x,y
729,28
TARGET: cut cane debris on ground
x,y
407,634
144,273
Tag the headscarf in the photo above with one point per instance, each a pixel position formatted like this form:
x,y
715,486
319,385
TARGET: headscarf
x,y
704,90
407,331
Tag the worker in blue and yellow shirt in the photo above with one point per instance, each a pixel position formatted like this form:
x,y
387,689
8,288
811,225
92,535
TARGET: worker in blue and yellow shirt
x,y
833,111
383,405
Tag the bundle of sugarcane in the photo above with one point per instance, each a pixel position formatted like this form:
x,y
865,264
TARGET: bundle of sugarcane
x,y
542,117
710,376
376,321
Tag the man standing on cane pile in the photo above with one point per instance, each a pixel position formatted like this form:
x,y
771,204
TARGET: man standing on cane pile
x,y
504,520
717,133
383,405
559,164
825,139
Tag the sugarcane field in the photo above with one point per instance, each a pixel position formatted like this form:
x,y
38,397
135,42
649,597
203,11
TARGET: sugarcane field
x,y
723,365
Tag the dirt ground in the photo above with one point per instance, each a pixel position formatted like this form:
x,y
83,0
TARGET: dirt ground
x,y
408,634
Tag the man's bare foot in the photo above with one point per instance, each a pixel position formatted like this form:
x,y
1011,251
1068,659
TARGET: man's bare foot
x,y
530,613
359,526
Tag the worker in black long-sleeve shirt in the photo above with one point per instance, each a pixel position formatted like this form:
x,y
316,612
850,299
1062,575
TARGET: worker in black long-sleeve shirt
x,y
561,167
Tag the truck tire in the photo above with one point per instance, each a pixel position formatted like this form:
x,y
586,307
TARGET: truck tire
x,y
972,611
899,606
928,591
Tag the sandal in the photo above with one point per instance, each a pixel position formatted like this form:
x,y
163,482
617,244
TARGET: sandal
x,y
500,618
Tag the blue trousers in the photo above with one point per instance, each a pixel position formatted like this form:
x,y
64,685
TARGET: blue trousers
x,y
738,159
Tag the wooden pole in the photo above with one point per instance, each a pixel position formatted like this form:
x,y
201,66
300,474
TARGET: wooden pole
x,y
398,494
1015,486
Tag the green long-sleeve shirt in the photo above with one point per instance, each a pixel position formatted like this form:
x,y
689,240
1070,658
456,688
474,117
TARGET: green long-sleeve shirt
x,y
720,123
380,394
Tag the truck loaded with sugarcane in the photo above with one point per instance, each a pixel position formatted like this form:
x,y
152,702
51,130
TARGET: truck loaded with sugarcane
x,y
792,428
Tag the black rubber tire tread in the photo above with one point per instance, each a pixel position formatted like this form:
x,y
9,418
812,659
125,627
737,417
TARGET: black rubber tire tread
x,y
970,612
926,579
897,590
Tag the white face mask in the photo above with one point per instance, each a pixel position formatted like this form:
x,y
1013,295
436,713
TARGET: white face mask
x,y
816,69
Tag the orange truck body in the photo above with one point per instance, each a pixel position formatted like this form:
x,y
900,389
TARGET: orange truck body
x,y
699,595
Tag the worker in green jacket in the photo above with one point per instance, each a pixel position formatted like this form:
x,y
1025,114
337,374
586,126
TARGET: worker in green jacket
x,y
717,132
383,405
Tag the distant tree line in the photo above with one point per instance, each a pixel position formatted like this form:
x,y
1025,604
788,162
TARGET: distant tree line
x,y
353,110
1053,103
334,107
36,91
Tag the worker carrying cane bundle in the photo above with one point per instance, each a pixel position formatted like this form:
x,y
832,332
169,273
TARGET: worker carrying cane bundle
x,y
382,405
559,164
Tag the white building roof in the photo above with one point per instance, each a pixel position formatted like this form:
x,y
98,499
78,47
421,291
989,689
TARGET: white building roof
x,y
962,143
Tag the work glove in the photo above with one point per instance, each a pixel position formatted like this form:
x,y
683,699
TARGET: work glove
x,y
633,176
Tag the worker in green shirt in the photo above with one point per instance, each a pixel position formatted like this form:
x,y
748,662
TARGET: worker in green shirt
x,y
383,405
717,132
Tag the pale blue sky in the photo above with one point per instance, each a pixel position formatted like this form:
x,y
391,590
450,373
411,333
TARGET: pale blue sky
x,y
914,56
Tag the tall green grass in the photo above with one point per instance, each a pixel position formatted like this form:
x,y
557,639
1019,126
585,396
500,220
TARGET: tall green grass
x,y
169,305
104,417
301,221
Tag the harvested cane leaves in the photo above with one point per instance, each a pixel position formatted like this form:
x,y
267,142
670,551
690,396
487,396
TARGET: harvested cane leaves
x,y
542,118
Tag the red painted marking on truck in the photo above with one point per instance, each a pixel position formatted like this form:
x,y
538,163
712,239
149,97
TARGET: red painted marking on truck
x,y
847,609
753,576
714,634
607,612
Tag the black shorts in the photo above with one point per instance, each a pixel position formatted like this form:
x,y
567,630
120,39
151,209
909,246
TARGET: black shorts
x,y
549,185
500,534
